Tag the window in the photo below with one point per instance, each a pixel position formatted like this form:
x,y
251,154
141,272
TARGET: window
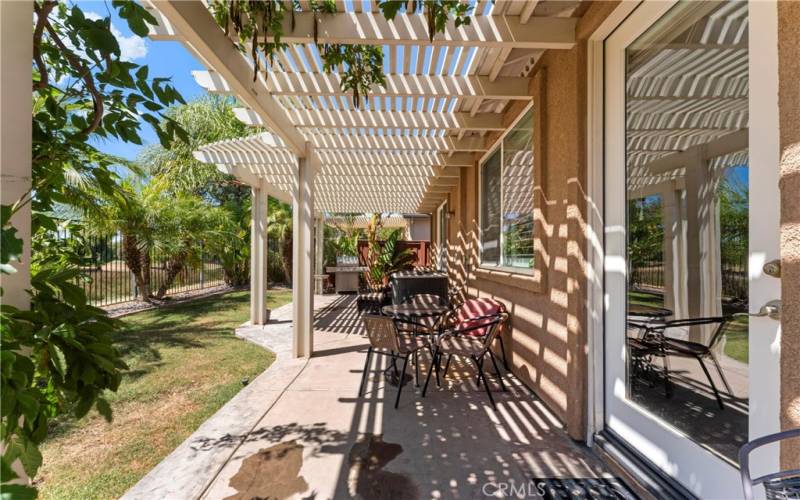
x,y
506,200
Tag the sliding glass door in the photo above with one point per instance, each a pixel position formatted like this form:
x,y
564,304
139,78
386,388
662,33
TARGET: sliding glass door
x,y
681,266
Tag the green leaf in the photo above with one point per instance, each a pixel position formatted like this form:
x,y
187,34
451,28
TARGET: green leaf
x,y
17,492
104,409
8,400
101,39
31,458
28,405
58,359
6,472
10,246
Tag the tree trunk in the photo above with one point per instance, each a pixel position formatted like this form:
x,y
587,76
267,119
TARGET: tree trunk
x,y
286,259
139,264
174,268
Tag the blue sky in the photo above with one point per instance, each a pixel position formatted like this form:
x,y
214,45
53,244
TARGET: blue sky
x,y
165,59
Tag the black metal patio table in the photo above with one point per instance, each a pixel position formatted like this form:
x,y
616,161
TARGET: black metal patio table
x,y
651,312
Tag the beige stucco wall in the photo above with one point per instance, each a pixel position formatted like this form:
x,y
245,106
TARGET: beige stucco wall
x,y
789,103
547,341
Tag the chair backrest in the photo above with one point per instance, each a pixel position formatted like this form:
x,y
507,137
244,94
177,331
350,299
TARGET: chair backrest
x,y
424,299
781,484
382,332
721,322
474,315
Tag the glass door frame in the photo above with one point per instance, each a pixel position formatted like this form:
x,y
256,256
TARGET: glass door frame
x,y
677,456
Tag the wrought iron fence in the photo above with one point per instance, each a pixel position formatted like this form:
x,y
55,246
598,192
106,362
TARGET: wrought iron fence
x,y
733,268
110,281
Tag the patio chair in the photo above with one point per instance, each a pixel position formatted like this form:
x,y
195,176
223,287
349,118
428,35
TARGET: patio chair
x,y
778,485
477,310
696,350
385,339
461,343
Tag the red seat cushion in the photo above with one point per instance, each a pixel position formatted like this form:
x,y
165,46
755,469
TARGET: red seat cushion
x,y
475,308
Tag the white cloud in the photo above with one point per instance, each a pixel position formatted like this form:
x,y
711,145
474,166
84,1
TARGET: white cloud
x,y
131,47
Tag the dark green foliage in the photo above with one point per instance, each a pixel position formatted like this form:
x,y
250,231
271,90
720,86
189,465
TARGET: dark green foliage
x,y
57,356
359,66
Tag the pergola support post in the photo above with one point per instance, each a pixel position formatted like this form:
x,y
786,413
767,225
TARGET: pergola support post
x,y
319,254
673,222
259,314
15,150
704,281
303,256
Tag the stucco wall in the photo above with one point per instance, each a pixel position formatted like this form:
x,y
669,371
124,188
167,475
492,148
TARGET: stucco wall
x,y
789,103
547,346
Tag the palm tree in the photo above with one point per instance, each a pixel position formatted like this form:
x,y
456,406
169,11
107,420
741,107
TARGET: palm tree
x,y
208,119
280,227
124,211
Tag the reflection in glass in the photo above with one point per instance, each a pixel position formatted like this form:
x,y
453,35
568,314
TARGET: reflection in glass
x,y
687,222
507,200
490,210
518,194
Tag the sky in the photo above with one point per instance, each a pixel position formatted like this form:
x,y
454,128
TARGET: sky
x,y
165,59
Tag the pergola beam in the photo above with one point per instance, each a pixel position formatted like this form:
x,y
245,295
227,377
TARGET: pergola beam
x,y
484,31
314,84
394,142
323,84
329,118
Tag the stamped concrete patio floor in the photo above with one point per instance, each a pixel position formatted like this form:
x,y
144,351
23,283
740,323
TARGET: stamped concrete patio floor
x,y
315,438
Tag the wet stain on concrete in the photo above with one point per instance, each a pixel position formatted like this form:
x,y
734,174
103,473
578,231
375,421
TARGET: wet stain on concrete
x,y
369,480
272,473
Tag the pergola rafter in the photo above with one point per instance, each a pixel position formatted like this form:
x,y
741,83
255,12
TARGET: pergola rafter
x,y
411,137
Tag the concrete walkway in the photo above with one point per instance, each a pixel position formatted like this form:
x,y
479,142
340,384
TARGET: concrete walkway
x,y
300,430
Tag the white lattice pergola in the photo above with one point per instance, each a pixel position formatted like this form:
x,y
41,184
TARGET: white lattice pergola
x,y
404,149
401,151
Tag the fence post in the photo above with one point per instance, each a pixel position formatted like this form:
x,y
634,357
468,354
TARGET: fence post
x,y
202,266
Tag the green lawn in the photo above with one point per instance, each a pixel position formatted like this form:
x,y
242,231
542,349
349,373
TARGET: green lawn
x,y
185,363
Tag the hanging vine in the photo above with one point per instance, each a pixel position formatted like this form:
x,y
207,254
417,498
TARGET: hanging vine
x,y
360,67
436,12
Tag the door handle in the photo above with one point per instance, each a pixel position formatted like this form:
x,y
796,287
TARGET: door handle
x,y
771,309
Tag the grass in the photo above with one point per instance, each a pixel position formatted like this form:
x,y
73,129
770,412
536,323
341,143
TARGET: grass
x,y
185,363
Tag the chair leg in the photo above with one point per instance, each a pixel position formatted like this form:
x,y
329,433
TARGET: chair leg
x,y
364,374
416,368
400,384
430,370
711,381
485,383
436,361
496,369
503,350
721,374
447,365
667,380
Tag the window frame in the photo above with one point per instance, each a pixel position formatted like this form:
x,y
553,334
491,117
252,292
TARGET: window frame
x,y
495,147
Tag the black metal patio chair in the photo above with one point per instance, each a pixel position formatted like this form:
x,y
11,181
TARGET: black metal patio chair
x,y
777,485
385,339
689,349
462,343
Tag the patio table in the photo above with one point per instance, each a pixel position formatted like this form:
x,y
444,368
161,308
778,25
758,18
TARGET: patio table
x,y
415,310
650,312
